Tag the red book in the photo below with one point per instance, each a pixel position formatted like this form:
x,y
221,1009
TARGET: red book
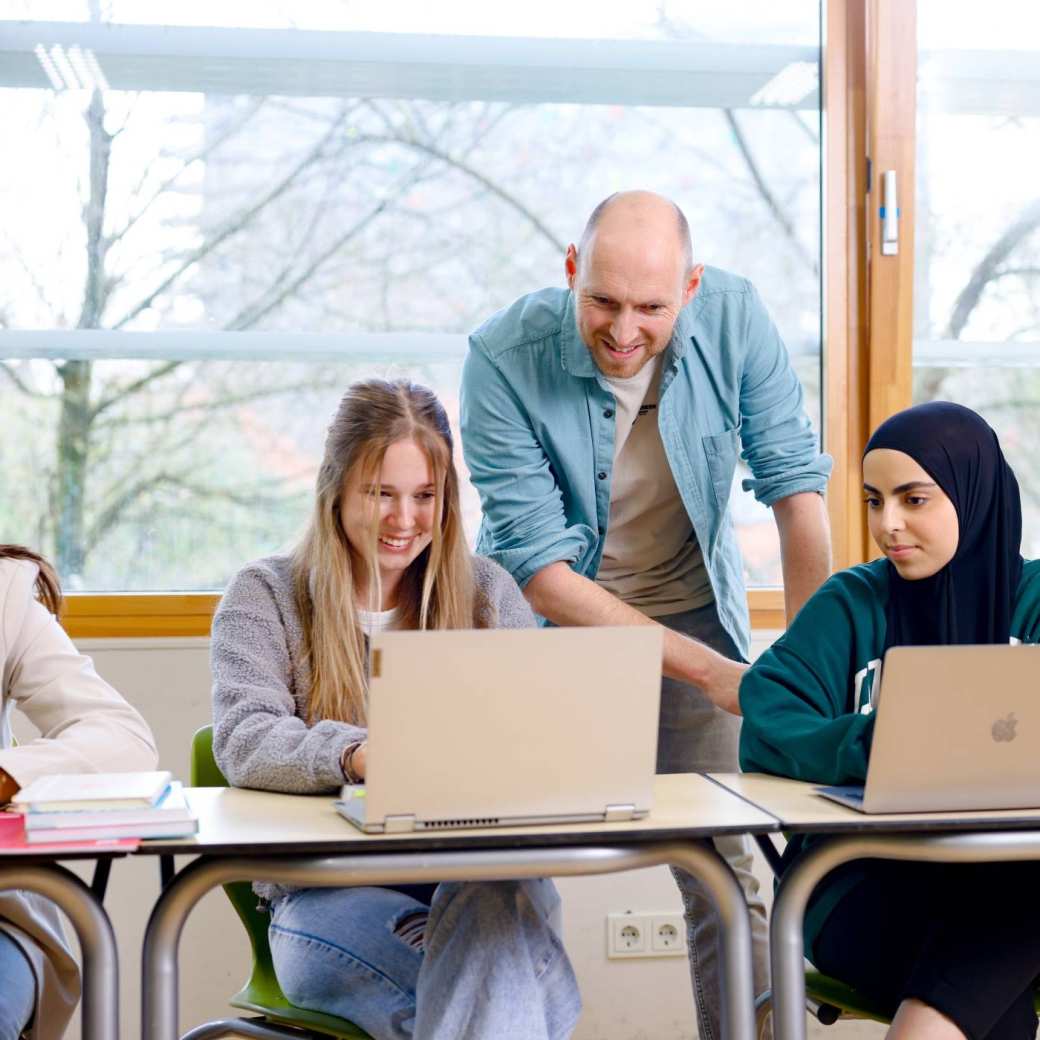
x,y
13,843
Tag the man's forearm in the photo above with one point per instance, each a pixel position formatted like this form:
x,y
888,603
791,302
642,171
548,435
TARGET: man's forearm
x,y
566,599
805,547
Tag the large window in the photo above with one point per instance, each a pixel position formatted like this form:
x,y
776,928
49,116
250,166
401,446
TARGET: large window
x,y
213,225
977,258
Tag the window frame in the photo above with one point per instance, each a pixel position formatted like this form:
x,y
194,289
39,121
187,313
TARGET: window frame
x,y
868,83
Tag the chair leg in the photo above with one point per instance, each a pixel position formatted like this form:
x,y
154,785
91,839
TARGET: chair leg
x,y
825,1014
245,1029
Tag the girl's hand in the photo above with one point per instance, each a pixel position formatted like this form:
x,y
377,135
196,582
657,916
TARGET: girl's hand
x,y
357,763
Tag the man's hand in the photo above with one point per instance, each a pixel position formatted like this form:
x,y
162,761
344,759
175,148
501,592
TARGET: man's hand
x,y
724,685
568,599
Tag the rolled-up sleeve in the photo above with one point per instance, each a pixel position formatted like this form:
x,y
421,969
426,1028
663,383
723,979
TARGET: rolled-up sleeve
x,y
525,524
777,439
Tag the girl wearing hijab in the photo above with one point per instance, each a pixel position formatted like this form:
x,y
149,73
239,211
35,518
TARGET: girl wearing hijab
x,y
950,951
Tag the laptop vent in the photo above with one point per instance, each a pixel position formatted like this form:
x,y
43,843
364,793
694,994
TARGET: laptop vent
x,y
475,821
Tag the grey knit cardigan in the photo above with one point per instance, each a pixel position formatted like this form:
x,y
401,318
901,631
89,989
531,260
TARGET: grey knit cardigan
x,y
261,679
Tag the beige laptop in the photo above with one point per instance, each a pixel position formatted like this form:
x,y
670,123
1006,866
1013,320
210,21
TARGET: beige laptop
x,y
958,728
510,726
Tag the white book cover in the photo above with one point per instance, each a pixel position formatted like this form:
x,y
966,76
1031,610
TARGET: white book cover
x,y
160,829
62,792
172,808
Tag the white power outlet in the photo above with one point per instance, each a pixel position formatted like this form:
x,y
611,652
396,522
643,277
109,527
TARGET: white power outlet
x,y
645,935
668,934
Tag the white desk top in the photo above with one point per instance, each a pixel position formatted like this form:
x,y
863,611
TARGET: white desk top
x,y
686,806
798,808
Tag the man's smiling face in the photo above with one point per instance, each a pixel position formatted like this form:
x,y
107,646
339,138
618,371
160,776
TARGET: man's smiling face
x,y
629,284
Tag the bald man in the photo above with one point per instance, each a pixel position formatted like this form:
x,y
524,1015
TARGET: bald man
x,y
601,426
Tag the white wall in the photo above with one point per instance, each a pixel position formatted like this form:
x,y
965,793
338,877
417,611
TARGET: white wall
x,y
168,681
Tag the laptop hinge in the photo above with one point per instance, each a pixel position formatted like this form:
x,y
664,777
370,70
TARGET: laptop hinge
x,y
614,813
397,824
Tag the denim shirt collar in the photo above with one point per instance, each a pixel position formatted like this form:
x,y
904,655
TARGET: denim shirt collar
x,y
576,357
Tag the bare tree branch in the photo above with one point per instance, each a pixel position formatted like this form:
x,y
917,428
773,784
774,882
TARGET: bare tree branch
x,y
95,291
20,384
30,274
280,290
116,509
1019,272
808,129
135,387
772,203
988,267
228,401
470,171
199,156
238,223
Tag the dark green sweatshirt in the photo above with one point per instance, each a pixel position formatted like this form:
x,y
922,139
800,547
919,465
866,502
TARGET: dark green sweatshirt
x,y
808,699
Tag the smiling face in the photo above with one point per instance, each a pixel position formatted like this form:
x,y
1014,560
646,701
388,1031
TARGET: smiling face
x,y
398,507
911,518
630,283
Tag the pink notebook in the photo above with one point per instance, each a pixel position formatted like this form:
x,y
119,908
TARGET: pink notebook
x,y
13,843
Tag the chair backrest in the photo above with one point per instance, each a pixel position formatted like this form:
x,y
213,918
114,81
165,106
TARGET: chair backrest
x,y
204,772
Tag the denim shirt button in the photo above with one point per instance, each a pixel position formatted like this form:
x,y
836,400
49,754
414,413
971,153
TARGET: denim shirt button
x,y
608,413
602,475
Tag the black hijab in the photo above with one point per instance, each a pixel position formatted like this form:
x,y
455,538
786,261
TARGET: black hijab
x,y
971,599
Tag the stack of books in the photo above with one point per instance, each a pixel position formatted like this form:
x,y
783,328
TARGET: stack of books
x,y
101,806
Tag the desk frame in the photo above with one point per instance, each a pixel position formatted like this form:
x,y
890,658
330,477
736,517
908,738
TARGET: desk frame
x,y
159,990
788,917
100,1007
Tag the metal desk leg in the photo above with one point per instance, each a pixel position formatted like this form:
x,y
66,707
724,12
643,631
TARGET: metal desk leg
x,y
738,987
159,982
100,1010
788,917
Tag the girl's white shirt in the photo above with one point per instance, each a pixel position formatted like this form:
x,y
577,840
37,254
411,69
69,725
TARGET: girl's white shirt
x,y
373,621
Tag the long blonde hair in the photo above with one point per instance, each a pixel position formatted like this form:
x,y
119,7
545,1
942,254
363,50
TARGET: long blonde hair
x,y
436,591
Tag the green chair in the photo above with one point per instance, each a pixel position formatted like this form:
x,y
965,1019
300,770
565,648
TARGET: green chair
x,y
826,998
277,1018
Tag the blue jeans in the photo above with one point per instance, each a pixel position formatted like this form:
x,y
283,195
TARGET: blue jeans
x,y
694,735
17,989
481,963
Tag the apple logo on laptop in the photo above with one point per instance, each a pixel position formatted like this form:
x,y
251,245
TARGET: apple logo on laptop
x,y
1004,729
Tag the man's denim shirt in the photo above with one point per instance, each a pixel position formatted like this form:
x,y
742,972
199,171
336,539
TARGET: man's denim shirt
x,y
538,431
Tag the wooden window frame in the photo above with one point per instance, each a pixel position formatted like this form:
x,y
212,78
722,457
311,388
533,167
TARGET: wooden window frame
x,y
868,99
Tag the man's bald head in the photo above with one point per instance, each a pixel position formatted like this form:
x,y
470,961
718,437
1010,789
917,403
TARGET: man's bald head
x,y
631,276
640,210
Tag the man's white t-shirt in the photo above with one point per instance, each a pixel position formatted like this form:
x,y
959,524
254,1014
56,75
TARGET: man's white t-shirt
x,y
651,559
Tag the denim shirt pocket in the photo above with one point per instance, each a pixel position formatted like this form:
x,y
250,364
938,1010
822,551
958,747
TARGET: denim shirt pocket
x,y
720,450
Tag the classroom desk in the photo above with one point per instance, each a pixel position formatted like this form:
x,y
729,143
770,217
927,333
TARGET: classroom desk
x,y
40,873
947,837
256,836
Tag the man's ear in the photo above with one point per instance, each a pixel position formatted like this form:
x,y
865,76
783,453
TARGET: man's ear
x,y
570,265
693,283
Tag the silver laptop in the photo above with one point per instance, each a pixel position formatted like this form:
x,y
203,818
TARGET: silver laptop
x,y
488,728
958,728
